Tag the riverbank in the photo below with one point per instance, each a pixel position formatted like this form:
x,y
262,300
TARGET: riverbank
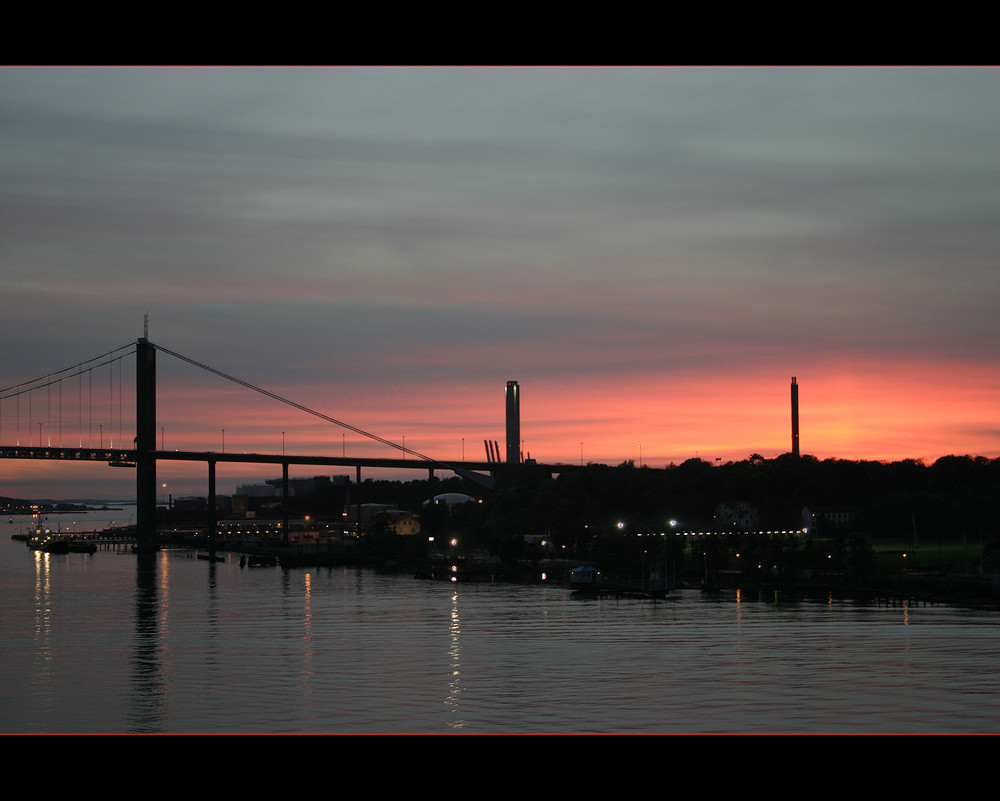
x,y
930,588
914,589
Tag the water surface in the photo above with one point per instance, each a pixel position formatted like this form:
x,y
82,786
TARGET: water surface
x,y
93,643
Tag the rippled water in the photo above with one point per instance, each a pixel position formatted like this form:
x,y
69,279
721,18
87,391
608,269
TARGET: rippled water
x,y
93,644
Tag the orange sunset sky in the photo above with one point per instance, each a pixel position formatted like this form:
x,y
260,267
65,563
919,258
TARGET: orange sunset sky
x,y
651,253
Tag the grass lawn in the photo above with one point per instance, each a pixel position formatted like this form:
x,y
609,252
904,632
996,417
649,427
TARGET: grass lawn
x,y
900,554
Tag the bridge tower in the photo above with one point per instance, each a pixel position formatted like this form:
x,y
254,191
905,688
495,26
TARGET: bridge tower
x,y
145,444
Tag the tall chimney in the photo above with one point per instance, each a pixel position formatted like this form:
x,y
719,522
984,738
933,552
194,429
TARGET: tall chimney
x,y
513,423
795,417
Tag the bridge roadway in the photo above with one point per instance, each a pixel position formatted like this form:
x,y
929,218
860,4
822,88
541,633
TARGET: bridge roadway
x,y
338,461
110,455
126,458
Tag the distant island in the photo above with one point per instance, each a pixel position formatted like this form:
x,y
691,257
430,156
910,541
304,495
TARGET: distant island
x,y
20,506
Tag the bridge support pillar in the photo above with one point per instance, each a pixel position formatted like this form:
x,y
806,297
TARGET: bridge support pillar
x,y
145,445
284,503
357,500
213,509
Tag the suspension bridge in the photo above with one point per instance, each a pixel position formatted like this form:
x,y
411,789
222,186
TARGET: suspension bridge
x,y
68,432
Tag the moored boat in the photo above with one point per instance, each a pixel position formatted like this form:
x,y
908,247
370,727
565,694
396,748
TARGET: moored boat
x,y
48,543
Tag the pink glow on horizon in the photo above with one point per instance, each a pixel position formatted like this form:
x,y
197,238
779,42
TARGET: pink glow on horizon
x,y
850,410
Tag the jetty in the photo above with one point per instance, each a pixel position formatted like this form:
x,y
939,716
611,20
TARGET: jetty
x,y
587,581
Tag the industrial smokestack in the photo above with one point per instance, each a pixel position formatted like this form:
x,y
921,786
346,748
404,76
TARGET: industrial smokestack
x,y
795,417
513,423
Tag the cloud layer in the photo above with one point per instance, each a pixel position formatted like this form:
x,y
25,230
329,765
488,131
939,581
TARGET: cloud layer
x,y
652,253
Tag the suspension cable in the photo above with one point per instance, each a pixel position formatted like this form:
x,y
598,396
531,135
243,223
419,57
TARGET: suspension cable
x,y
298,406
110,357
58,375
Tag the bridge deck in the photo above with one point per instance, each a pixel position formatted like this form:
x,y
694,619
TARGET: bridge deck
x,y
480,472
121,457
111,455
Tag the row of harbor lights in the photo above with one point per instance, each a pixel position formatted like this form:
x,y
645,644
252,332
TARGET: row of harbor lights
x,y
673,524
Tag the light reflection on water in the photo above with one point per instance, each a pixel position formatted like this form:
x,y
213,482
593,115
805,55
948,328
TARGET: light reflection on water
x,y
94,643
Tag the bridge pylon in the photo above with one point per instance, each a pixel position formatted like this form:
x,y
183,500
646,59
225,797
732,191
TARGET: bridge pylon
x,y
145,445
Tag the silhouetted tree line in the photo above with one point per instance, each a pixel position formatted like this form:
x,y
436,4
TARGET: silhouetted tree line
x,y
595,513
602,507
